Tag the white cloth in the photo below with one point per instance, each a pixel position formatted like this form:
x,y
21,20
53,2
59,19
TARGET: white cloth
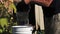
x,y
39,17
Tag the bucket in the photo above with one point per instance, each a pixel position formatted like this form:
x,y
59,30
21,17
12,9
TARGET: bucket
x,y
22,29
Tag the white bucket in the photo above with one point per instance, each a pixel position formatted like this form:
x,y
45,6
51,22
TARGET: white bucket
x,y
22,29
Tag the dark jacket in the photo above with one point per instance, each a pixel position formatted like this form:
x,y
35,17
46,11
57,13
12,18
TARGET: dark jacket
x,y
56,5
53,9
22,7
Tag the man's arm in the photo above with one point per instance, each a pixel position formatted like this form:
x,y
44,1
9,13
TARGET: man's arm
x,y
43,2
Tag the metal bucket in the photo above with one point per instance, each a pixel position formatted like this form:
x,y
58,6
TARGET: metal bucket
x,y
22,29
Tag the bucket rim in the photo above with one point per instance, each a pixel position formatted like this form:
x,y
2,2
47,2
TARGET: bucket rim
x,y
22,26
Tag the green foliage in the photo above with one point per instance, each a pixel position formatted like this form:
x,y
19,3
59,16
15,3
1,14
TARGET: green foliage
x,y
3,10
6,22
7,29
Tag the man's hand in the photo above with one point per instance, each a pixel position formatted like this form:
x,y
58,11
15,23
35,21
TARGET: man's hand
x,y
27,1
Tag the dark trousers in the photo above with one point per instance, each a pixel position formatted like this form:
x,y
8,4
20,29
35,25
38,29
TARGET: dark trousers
x,y
48,25
22,18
